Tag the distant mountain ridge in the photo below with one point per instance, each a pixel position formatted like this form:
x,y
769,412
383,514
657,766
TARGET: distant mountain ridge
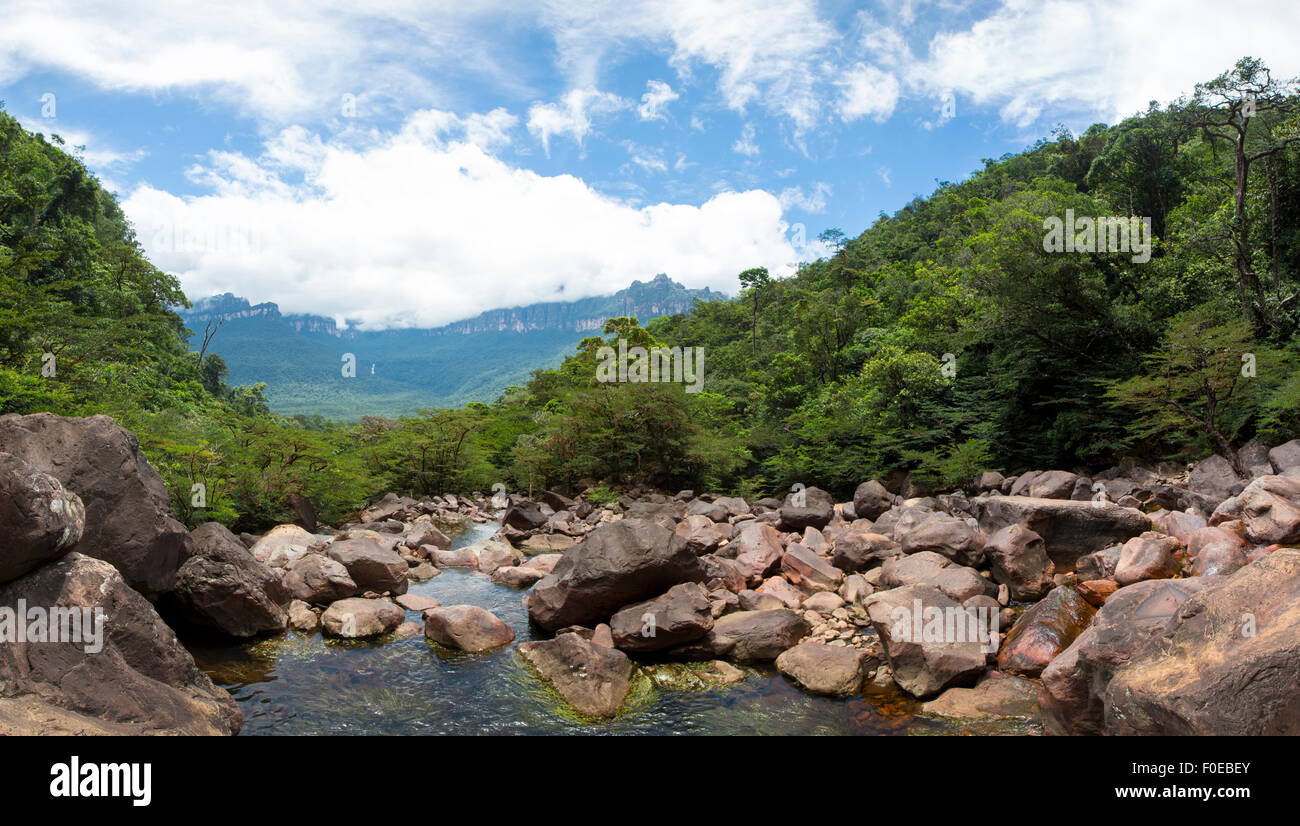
x,y
404,370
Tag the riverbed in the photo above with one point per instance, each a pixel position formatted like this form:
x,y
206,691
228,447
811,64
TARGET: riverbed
x,y
299,683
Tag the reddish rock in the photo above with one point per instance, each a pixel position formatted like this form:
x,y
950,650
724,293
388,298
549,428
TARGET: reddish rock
x,y
1044,631
1149,556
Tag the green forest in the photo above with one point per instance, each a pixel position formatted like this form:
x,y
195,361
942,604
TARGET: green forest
x,y
942,341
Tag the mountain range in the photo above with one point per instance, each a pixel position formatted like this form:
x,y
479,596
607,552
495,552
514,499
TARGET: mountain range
x,y
400,371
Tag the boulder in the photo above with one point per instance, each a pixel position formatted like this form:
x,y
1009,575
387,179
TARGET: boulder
x,y
871,499
495,553
809,507
680,615
1269,507
282,545
459,558
357,618
989,480
858,549
548,543
592,678
416,602
996,696
780,587
616,564
517,576
913,623
1214,550
128,520
319,580
117,668
524,515
371,566
1069,528
1149,556
1074,683
826,669
1098,564
1052,484
946,535
1018,559
758,551
466,627
1044,631
428,535
222,586
929,568
1254,460
1285,457
701,533
39,519
301,617
748,636
1214,478
1228,664
808,570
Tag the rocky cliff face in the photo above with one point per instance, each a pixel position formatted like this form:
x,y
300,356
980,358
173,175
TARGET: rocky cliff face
x,y
643,299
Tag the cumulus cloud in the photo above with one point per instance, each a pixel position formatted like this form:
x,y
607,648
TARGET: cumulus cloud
x,y
434,226
868,92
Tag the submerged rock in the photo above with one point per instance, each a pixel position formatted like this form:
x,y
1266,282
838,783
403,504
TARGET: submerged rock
x,y
1044,631
466,627
593,679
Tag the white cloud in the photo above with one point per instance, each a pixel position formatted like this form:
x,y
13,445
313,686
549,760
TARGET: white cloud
x,y
655,100
867,91
745,144
435,226
572,115
1107,58
813,201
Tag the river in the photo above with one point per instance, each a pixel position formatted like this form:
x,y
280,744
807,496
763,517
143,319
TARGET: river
x,y
306,684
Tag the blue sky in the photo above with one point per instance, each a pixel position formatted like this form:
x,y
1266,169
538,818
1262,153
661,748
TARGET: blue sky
x,y
416,162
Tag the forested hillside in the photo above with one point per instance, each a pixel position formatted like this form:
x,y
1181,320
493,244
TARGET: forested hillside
x,y
942,341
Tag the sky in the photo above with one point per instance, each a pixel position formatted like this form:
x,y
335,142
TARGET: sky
x,y
400,163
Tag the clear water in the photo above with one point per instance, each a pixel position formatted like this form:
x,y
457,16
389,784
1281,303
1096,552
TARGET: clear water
x,y
306,684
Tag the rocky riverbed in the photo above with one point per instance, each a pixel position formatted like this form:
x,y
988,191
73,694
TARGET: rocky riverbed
x,y
1140,600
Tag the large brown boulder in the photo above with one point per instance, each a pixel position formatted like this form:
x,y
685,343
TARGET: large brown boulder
x,y
466,627
1018,559
128,520
808,570
1075,682
1214,478
1149,556
1269,507
913,623
132,677
40,520
748,636
358,618
680,615
1069,528
223,587
319,580
928,568
1229,662
592,678
947,535
858,549
871,499
758,551
371,566
1044,631
811,507
616,564
826,669
1214,550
